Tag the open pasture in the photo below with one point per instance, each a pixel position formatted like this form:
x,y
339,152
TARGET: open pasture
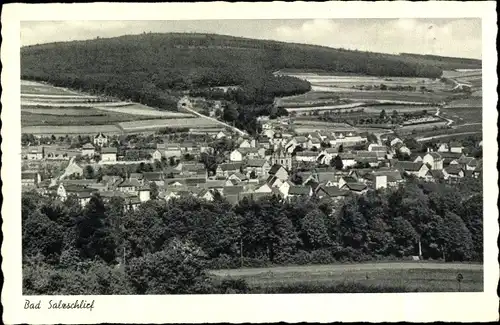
x,y
429,277
393,96
30,87
467,102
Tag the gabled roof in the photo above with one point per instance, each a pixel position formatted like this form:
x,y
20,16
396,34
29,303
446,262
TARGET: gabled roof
x,y
357,187
436,173
136,176
255,162
215,184
239,175
130,183
153,176
194,181
333,191
230,166
307,154
232,190
471,161
301,139
453,169
87,146
409,165
109,150
299,190
455,145
275,168
435,155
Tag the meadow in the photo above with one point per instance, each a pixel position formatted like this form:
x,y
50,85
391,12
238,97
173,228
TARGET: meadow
x,y
371,277
146,125
75,129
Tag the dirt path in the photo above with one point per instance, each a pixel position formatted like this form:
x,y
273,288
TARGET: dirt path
x,y
347,267
240,132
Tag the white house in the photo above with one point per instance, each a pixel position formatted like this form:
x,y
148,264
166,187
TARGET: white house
x,y
108,154
88,150
434,159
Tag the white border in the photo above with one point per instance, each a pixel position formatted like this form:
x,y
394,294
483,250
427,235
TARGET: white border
x,y
464,307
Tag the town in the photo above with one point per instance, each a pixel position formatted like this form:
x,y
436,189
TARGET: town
x,y
277,162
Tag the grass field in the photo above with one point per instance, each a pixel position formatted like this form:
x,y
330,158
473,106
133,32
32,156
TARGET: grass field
x,y
94,118
428,277
464,114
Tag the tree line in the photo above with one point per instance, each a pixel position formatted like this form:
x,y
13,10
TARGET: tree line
x,y
168,247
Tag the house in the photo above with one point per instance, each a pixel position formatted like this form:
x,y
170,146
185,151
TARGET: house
x,y
35,153
434,159
326,156
232,190
443,147
395,141
282,157
236,155
456,147
88,150
263,188
393,177
238,177
348,159
144,193
332,192
216,185
188,147
268,134
358,188
448,157
346,179
129,186
108,154
206,194
454,172
258,166
264,144
417,158
376,147
401,148
82,193
478,171
221,135
299,191
72,170
30,179
284,188
156,177
306,156
172,150
274,181
137,176
224,170
467,163
418,169
279,172
100,140
156,155
314,143
245,143
436,175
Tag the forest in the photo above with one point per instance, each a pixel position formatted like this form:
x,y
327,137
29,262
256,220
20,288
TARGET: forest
x,y
167,248
154,69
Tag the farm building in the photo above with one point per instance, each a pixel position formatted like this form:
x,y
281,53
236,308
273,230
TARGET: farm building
x,y
88,150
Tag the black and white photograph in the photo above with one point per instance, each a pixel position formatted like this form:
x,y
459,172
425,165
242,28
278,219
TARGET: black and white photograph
x,y
251,156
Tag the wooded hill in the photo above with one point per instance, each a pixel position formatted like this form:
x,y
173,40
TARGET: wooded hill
x,y
154,68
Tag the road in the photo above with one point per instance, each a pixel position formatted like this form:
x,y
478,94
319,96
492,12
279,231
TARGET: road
x,y
447,135
346,267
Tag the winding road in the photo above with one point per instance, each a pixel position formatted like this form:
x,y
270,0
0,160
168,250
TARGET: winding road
x,y
240,132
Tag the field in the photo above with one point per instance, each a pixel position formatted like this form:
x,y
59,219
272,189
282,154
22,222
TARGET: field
x,y
147,125
463,114
76,129
409,276
51,110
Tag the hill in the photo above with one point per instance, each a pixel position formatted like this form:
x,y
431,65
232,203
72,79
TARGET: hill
x,y
154,68
445,62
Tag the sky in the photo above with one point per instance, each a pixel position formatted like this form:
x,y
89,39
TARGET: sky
x,y
447,37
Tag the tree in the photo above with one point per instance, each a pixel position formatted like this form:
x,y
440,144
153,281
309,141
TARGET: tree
x,y
341,148
88,172
253,175
457,239
95,237
42,236
230,113
154,190
178,269
337,163
404,236
382,115
314,233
